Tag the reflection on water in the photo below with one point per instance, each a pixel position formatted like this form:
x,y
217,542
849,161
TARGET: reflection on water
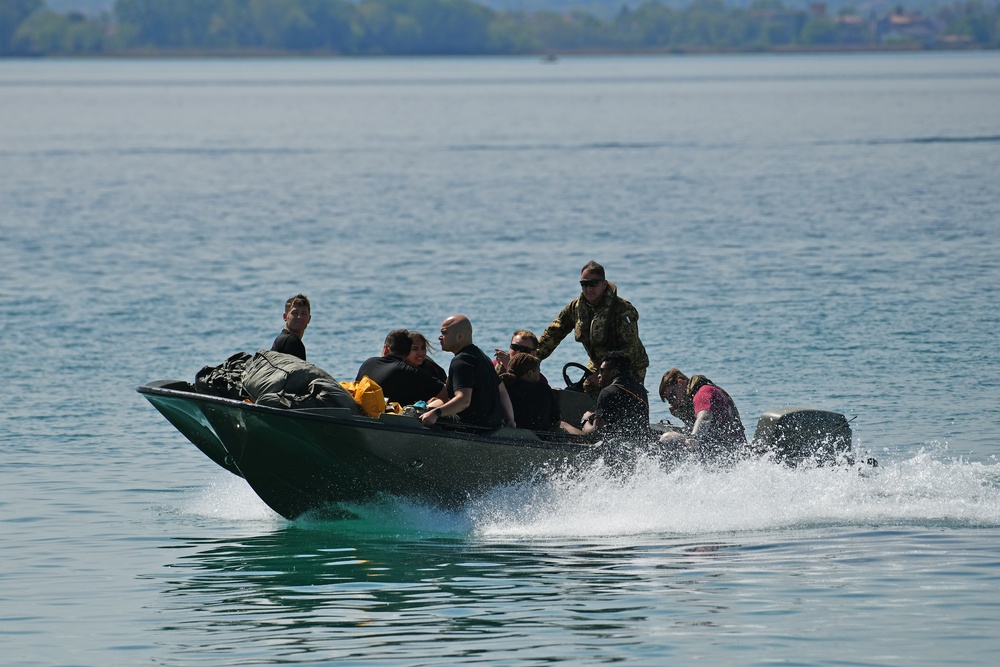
x,y
305,582
597,567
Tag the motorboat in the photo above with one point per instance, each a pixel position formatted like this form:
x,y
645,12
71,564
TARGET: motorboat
x,y
301,459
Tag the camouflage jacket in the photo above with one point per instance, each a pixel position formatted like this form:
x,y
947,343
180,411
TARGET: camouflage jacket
x,y
613,324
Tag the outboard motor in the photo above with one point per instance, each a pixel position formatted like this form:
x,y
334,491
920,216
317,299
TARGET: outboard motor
x,y
797,434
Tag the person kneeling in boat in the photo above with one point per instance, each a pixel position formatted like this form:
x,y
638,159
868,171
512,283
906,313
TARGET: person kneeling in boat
x,y
476,393
713,423
401,382
622,411
535,404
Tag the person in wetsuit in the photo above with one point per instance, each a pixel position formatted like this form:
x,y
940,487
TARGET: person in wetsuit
x,y
401,382
297,315
622,406
475,393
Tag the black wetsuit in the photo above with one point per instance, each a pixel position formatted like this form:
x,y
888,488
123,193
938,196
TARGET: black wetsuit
x,y
289,343
536,406
472,369
400,382
623,409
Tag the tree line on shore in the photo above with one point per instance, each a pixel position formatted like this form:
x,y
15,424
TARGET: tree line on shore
x,y
462,27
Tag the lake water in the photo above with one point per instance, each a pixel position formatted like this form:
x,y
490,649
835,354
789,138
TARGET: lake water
x,y
816,230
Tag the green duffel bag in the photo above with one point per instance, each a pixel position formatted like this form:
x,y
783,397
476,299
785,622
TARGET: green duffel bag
x,y
285,381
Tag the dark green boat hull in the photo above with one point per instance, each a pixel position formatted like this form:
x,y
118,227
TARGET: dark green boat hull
x,y
299,460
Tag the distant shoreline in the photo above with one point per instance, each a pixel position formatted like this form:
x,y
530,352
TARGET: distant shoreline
x,y
153,54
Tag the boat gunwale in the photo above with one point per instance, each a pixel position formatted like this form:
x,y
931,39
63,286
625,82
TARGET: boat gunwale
x,y
566,441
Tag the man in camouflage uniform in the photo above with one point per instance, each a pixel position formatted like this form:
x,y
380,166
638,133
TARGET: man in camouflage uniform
x,y
601,320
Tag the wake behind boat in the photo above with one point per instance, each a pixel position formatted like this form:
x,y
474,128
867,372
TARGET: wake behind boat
x,y
303,458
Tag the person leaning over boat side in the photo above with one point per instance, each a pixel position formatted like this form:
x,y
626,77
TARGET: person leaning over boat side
x,y
418,357
623,404
475,391
708,412
401,382
535,404
601,320
297,315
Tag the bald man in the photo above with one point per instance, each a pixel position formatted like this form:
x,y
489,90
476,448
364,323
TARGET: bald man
x,y
476,393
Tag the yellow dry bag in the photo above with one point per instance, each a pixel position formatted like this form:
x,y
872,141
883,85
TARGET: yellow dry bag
x,y
367,394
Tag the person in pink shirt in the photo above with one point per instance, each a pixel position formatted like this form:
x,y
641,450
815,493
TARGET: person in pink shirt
x,y
708,412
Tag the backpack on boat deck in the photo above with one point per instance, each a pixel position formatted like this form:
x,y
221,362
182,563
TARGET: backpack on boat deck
x,y
285,381
225,379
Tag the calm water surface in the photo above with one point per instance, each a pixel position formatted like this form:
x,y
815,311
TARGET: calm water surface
x,y
808,230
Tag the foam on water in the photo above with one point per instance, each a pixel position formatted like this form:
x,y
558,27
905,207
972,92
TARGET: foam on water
x,y
928,488
228,497
755,495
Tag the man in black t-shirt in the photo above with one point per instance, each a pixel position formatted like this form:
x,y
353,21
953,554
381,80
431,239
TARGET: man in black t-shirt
x,y
475,392
401,382
623,404
297,315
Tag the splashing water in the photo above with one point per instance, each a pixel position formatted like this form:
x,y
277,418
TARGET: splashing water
x,y
229,497
752,495
928,488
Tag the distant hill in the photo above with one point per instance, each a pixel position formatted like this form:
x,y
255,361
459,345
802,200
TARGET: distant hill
x,y
90,7
602,8
608,8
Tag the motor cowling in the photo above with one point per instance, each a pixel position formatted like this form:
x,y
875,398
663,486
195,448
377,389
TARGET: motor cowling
x,y
798,434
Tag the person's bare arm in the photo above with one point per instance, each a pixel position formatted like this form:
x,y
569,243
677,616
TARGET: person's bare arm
x,y
459,402
508,408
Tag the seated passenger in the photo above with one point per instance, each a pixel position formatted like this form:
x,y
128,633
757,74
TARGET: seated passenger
x,y
418,357
709,413
475,392
536,406
297,316
622,406
401,382
522,342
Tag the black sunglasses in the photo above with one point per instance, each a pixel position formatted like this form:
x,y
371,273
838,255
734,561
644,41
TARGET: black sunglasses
x,y
521,348
591,282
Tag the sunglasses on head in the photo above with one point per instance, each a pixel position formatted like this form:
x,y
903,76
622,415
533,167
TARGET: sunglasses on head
x,y
521,348
591,282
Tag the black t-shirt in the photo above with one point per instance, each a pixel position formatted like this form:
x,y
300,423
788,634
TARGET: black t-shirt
x,y
400,382
536,406
471,369
432,367
623,408
289,343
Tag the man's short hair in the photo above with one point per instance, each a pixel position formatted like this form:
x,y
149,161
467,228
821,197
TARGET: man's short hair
x,y
524,333
399,342
593,267
620,361
669,379
297,300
